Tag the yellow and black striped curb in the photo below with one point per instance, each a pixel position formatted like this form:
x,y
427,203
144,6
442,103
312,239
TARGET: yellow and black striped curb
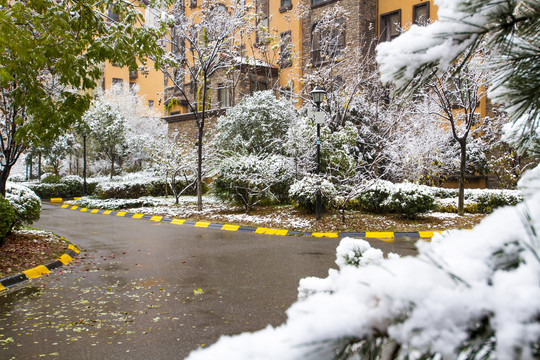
x,y
40,270
384,236
60,200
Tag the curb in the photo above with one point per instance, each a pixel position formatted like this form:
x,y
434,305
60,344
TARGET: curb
x,y
40,270
60,200
383,236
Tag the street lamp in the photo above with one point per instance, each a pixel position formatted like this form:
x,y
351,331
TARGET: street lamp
x,y
84,163
317,95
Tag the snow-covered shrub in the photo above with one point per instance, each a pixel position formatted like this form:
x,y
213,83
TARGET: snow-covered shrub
x,y
73,185
249,165
7,218
248,180
410,203
54,186
467,295
116,204
50,178
406,199
304,192
489,201
476,200
25,203
374,200
131,189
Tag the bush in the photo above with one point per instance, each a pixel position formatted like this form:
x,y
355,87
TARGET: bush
x,y
410,203
133,187
47,191
116,204
7,218
73,185
26,204
52,186
249,180
50,178
406,199
304,192
374,200
489,201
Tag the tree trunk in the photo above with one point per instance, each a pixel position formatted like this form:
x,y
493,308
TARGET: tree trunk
x,y
200,126
199,166
4,174
39,167
112,166
461,198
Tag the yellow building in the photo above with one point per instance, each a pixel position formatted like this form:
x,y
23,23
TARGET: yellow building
x,y
270,55
283,40
150,82
398,15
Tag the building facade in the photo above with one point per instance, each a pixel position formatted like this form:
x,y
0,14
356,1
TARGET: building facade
x,y
149,82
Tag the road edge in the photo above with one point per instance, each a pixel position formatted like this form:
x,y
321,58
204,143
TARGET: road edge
x,y
383,236
40,270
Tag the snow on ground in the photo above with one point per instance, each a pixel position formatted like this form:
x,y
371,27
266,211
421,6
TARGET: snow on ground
x,y
215,209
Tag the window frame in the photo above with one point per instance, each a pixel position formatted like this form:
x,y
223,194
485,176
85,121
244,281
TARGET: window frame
x,y
285,7
381,24
320,3
221,90
260,7
285,48
330,56
414,13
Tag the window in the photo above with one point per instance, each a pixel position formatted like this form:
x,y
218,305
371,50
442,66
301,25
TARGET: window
x,y
133,88
317,2
421,14
285,93
328,40
150,104
262,8
117,85
192,4
178,43
285,50
151,17
390,25
255,85
118,81
224,96
262,22
285,5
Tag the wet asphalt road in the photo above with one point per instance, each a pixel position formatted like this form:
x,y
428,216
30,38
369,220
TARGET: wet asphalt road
x,y
143,290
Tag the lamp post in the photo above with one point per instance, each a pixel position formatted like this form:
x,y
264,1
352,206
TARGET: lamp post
x,y
317,95
84,164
